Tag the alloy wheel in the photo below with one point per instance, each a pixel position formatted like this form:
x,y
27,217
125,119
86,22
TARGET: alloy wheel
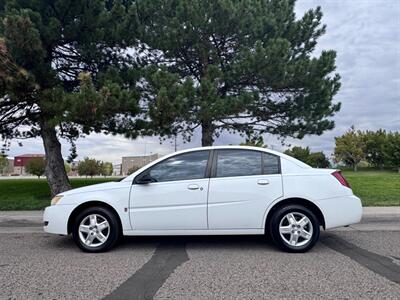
x,y
94,230
296,229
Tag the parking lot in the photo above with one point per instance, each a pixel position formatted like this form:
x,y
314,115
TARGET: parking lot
x,y
362,261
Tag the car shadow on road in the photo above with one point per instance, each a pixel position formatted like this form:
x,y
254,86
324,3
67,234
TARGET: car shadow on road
x,y
215,242
126,242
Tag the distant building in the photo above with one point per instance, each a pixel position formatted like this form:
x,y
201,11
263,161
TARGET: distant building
x,y
136,162
74,168
74,165
21,161
117,169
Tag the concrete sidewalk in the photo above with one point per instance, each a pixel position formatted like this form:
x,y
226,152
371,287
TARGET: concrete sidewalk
x,y
381,211
21,221
25,214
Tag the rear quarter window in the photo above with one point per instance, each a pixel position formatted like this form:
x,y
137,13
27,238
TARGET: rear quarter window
x,y
271,164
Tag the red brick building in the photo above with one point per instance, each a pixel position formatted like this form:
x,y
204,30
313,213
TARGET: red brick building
x,y
20,162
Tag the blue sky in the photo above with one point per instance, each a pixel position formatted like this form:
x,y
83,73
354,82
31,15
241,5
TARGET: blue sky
x,y
366,36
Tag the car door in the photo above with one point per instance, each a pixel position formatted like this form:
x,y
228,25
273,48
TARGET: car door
x,y
242,185
175,195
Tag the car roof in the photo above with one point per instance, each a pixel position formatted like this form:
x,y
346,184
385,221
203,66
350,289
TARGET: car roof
x,y
229,147
295,161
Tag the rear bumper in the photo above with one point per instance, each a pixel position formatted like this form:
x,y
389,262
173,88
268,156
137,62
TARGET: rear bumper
x,y
55,218
341,211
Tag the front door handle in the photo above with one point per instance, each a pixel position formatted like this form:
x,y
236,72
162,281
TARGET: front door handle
x,y
263,182
193,187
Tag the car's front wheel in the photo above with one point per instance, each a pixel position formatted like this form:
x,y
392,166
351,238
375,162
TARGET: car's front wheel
x,y
95,229
294,228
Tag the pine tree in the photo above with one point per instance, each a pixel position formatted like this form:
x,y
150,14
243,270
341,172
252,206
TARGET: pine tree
x,y
65,71
239,66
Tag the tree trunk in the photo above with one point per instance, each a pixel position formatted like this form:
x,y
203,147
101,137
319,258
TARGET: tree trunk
x,y
55,171
355,168
207,132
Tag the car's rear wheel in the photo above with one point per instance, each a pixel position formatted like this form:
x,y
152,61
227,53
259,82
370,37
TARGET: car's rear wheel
x,y
294,228
95,229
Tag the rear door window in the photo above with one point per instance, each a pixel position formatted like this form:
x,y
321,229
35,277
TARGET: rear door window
x,y
238,162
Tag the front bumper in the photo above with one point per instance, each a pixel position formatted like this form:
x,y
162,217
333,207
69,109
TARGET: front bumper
x,y
55,218
341,211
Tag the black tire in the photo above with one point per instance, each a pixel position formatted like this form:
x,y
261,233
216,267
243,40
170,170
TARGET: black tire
x,y
113,233
279,215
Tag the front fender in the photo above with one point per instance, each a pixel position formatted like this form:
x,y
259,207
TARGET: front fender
x,y
118,199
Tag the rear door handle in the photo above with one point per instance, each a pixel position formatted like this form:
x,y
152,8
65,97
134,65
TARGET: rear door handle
x,y
193,187
263,182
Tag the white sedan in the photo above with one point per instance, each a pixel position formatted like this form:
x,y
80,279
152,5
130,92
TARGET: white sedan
x,y
209,191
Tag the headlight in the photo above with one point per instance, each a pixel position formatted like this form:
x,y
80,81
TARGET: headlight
x,y
55,200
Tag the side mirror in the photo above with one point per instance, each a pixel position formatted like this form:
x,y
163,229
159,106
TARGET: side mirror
x,y
145,179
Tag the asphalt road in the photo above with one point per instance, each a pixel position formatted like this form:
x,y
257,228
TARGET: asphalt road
x,y
359,262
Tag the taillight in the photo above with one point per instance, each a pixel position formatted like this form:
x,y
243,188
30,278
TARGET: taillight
x,y
338,175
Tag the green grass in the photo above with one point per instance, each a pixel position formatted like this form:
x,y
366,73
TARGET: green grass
x,y
31,194
375,188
